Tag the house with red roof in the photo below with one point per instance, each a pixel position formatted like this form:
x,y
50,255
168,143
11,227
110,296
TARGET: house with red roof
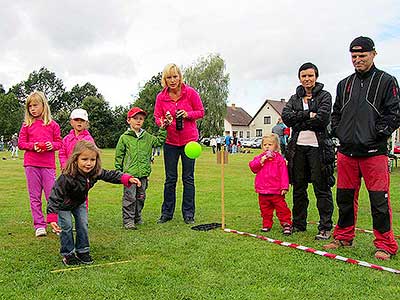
x,y
266,117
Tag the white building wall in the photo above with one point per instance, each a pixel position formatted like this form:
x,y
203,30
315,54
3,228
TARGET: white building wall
x,y
258,124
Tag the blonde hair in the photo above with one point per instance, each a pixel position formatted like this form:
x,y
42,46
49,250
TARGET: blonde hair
x,y
274,138
72,169
37,97
168,69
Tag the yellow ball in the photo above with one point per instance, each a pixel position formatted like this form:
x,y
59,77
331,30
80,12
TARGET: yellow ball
x,y
193,150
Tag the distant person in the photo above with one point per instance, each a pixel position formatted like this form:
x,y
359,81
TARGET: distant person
x,y
181,105
133,156
68,197
14,146
213,144
310,151
79,121
279,129
40,138
365,113
228,143
219,142
2,143
272,184
234,143
156,151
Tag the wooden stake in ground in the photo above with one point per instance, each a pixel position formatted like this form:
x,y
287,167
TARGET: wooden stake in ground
x,y
222,158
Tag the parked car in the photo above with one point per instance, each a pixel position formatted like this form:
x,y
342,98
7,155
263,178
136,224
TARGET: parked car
x,y
396,148
256,143
247,142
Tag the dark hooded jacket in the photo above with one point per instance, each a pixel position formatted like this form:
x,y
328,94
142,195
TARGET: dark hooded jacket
x,y
366,112
298,119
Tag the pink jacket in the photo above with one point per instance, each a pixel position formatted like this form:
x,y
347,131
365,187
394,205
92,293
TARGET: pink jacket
x,y
272,177
190,102
68,144
37,132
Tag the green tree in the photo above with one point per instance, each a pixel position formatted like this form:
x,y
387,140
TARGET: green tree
x,y
102,122
74,98
208,77
146,99
45,81
120,125
12,115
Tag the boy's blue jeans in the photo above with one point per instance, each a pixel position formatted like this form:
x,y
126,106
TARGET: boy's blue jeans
x,y
171,158
81,244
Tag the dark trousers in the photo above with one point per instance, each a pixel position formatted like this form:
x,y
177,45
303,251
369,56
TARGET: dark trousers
x,y
171,158
375,172
307,165
133,202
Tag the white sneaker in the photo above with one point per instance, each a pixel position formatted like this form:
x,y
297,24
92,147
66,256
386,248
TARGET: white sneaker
x,y
40,232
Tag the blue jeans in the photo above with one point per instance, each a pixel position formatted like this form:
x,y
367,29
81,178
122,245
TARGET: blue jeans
x,y
81,244
171,158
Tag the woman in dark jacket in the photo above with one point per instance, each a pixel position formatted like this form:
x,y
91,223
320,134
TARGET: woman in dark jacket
x,y
310,151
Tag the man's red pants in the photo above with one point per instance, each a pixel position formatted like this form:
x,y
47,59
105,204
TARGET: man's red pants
x,y
375,172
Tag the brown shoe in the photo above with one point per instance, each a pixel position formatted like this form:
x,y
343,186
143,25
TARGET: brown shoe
x,y
335,244
382,254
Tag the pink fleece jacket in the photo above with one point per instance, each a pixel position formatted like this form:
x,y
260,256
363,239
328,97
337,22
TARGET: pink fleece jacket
x,y
38,132
272,177
190,102
68,144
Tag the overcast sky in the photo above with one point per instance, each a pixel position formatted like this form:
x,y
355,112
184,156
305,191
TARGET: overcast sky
x,y
119,45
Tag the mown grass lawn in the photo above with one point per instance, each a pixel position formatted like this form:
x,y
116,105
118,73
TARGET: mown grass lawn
x,y
171,261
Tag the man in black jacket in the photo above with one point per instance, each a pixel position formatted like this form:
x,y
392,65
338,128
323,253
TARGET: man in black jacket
x,y
365,113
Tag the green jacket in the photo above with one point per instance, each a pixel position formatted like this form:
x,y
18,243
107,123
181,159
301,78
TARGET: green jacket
x,y
133,153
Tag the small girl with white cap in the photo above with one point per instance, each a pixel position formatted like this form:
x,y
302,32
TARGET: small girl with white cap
x,y
79,121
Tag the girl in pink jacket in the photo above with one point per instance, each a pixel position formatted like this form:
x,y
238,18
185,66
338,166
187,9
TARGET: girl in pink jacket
x,y
271,184
79,122
40,138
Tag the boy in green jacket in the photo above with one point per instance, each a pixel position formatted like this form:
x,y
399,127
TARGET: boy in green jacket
x,y
133,156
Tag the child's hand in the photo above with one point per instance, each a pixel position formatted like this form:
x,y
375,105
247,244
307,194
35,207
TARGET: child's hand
x,y
263,158
55,227
284,192
136,181
312,114
49,146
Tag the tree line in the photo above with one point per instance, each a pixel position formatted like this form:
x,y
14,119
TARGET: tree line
x,y
207,75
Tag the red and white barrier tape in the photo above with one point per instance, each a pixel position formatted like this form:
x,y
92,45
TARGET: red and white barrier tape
x,y
314,251
358,229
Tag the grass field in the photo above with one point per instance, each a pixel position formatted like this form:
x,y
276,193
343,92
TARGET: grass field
x,y
171,261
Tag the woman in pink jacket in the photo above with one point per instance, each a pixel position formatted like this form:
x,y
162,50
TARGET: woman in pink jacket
x,y
39,137
271,184
180,105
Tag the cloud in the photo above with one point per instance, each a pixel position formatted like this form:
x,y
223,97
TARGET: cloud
x,y
119,45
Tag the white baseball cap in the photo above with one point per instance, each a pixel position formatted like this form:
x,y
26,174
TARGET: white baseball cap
x,y
79,113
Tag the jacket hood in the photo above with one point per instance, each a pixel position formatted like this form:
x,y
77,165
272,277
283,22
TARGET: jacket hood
x,y
301,92
132,133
